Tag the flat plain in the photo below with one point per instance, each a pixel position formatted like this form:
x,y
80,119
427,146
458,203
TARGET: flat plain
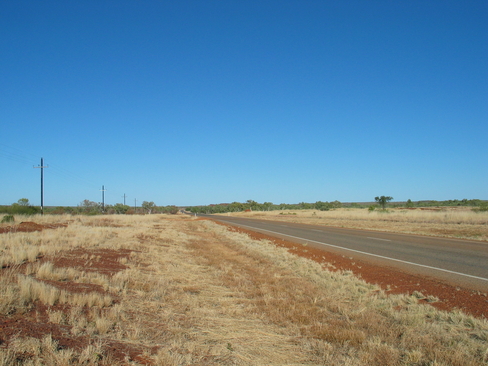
x,y
176,290
449,222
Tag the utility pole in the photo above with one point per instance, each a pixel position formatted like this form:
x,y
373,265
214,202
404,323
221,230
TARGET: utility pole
x,y
103,198
124,198
42,183
135,205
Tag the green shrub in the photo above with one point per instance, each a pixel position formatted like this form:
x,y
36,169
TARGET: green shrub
x,y
119,208
8,218
371,208
16,209
323,206
173,210
483,207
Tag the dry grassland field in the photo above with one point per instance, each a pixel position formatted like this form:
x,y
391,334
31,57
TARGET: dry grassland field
x,y
454,222
176,290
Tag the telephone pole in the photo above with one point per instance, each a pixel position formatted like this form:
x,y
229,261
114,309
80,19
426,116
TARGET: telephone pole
x,y
42,183
103,198
124,198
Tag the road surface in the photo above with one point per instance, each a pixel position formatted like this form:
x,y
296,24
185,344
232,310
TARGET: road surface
x,y
459,262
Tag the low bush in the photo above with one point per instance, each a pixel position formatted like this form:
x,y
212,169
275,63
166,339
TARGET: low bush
x,y
16,209
483,207
8,218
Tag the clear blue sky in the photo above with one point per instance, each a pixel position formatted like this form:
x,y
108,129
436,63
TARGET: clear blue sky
x,y
200,102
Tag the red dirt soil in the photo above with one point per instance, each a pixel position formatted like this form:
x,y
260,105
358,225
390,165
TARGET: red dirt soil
x,y
28,226
389,279
35,321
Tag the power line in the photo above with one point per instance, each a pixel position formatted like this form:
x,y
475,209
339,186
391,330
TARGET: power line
x,y
19,156
23,157
16,155
72,176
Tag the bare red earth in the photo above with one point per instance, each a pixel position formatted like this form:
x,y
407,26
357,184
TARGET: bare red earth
x,y
28,226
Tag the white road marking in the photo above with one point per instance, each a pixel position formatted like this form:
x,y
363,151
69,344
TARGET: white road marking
x,y
378,238
373,255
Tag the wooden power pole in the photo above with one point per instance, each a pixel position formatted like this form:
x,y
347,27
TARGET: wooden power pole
x,y
42,184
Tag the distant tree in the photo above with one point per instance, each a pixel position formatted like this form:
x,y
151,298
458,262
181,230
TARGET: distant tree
x,y
23,202
148,206
22,207
235,207
305,206
282,206
409,203
322,206
89,207
383,200
211,209
171,209
120,208
252,205
336,204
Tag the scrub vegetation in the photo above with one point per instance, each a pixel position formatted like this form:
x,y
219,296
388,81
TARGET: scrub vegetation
x,y
381,201
176,290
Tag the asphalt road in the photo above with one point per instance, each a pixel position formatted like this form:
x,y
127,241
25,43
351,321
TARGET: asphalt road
x,y
460,262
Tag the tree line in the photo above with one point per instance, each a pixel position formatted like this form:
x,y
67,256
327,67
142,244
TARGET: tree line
x,y
87,207
251,205
381,201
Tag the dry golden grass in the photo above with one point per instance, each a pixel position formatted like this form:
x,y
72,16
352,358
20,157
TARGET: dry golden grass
x,y
445,222
45,351
9,297
196,293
